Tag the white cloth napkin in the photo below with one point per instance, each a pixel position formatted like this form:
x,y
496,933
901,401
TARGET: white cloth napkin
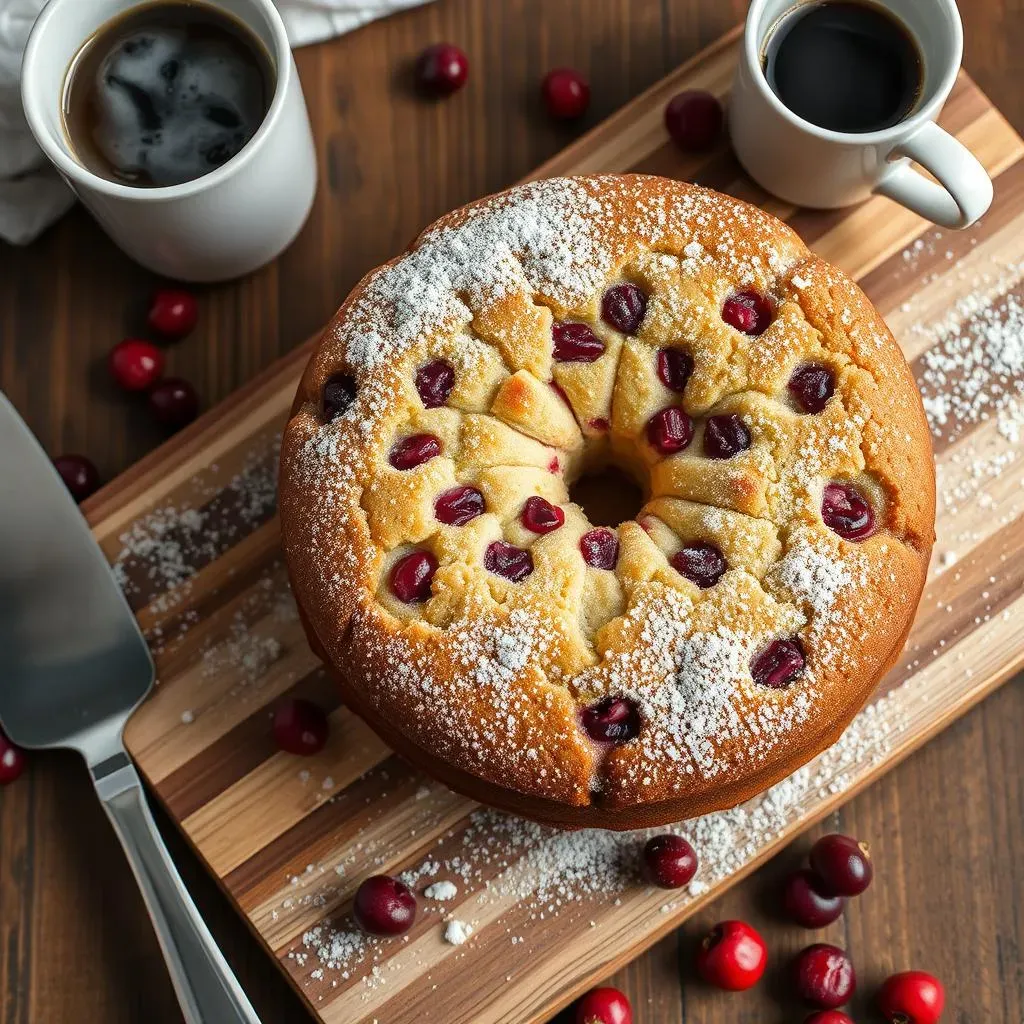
x,y
32,195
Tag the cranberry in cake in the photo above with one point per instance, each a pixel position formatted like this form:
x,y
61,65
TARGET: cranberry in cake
x,y
541,646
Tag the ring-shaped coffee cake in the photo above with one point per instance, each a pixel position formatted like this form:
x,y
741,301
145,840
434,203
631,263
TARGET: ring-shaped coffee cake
x,y
585,675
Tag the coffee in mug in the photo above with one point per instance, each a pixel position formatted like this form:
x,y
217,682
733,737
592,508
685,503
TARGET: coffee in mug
x,y
845,65
165,93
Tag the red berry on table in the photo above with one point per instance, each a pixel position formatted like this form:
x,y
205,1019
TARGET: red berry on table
x,y
604,1006
441,69
669,861
300,727
384,906
566,93
174,402
806,904
79,474
136,365
12,760
823,976
173,312
912,997
694,119
732,956
829,1017
843,864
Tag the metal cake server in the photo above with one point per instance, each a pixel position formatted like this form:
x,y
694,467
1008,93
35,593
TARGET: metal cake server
x,y
73,667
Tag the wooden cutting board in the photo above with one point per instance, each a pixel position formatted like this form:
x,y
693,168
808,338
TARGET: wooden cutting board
x,y
192,533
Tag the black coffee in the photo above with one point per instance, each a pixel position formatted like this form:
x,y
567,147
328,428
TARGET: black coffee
x,y
166,93
845,66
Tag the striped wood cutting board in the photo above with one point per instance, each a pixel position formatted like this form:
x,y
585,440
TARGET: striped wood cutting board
x,y
192,532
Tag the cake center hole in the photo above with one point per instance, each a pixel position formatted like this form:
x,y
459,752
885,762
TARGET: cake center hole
x,y
609,496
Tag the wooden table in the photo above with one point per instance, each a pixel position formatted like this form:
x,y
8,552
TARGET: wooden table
x,y
75,944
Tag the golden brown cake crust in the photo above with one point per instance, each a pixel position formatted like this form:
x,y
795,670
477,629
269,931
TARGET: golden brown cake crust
x,y
483,683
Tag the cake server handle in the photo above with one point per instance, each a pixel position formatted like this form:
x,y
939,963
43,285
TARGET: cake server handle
x,y
207,990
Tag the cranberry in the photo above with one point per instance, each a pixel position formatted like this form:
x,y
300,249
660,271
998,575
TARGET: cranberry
x,y
811,386
441,69
384,906
300,727
458,505
599,423
174,402
575,343
611,720
778,664
540,516
414,450
669,430
507,560
725,436
600,549
434,382
411,577
79,474
12,760
829,1017
847,512
604,1006
700,563
136,365
912,997
732,956
554,465
804,901
173,312
669,861
748,311
623,307
694,119
338,395
842,864
674,368
566,93
824,976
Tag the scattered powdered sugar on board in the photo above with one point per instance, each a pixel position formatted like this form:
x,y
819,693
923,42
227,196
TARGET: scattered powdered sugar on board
x,y
457,932
443,891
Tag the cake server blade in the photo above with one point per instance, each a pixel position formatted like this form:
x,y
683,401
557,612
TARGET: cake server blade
x,y
73,667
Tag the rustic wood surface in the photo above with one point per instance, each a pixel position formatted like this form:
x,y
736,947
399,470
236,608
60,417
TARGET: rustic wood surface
x,y
76,944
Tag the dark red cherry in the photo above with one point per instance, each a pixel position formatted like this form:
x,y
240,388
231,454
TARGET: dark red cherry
x,y
540,516
384,906
575,343
173,312
600,549
778,664
623,307
80,475
414,450
458,505
507,560
12,761
669,861
694,119
434,382
339,394
669,430
566,93
847,512
674,368
441,69
301,727
701,563
612,720
823,976
136,365
725,436
748,311
411,577
174,402
807,904
811,386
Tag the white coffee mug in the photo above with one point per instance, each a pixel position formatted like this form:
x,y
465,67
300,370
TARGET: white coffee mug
x,y
812,166
222,225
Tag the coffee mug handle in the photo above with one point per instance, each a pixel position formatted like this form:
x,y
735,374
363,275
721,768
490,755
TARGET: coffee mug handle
x,y
964,191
